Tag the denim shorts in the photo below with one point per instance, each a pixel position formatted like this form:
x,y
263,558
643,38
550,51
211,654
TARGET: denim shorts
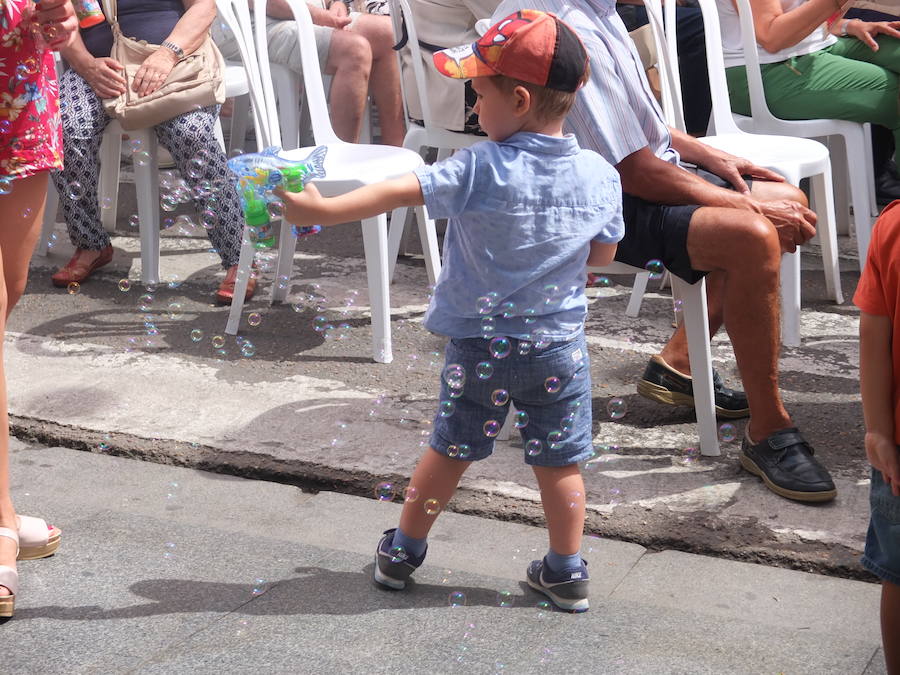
x,y
550,388
882,554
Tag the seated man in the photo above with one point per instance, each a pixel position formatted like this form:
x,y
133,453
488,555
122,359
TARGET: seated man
x,y
355,49
698,227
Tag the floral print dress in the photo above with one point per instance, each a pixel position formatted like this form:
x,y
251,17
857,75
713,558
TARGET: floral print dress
x,y
30,133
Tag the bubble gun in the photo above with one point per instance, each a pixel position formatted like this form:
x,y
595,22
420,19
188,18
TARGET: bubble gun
x,y
259,174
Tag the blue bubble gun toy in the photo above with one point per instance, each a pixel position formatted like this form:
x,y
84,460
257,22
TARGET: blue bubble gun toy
x,y
259,174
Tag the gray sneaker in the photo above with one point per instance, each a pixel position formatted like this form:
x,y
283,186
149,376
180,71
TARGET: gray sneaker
x,y
567,589
393,565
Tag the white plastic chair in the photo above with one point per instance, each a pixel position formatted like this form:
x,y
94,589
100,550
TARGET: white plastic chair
x,y
696,324
347,166
792,157
853,149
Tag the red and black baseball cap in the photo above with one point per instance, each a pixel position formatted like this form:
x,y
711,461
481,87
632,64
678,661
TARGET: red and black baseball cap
x,y
529,45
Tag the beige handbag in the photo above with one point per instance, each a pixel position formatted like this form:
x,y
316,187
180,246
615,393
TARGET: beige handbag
x,y
196,81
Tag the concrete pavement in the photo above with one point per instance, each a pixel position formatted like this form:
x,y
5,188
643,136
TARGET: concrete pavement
x,y
168,570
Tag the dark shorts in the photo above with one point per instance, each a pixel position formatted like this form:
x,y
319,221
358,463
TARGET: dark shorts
x,y
882,554
551,389
659,232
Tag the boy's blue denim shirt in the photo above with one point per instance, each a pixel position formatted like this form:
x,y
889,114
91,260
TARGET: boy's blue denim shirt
x,y
522,214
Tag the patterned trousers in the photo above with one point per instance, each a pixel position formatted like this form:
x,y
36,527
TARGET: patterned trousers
x,y
185,137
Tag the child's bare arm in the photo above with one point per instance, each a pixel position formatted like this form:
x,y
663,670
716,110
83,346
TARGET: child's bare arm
x,y
311,208
876,383
601,254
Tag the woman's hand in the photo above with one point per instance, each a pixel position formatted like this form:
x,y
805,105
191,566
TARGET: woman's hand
x,y
57,22
103,75
154,71
867,30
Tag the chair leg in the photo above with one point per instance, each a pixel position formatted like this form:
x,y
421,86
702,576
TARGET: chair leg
x,y
823,204
50,206
841,181
637,294
859,195
870,179
108,186
287,244
428,237
696,324
790,299
375,243
245,262
396,235
240,117
146,183
217,131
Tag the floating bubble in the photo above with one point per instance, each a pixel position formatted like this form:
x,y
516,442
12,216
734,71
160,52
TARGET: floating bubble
x,y
384,492
247,349
464,451
397,553
727,432
276,209
567,423
455,376
254,319
656,269
452,451
524,347
319,323
410,494
528,316
73,287
485,304
520,419
552,385
601,282
678,305
259,587
615,497
209,219
196,335
508,309
616,408
488,327
169,550
500,347
491,428
534,447
505,599
555,439
6,185
432,507
457,599
217,341
134,221
686,457
447,408
499,397
124,285
168,203
484,370
75,191
141,158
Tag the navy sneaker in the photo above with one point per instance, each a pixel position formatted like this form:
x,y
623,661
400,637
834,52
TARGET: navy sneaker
x,y
662,384
393,565
567,589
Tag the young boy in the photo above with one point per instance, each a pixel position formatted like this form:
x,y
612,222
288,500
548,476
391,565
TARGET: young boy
x,y
878,298
527,211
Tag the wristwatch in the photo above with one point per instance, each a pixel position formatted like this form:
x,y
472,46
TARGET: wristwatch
x,y
844,24
179,52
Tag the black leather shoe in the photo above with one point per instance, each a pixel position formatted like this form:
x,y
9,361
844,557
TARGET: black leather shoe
x,y
786,464
887,185
663,384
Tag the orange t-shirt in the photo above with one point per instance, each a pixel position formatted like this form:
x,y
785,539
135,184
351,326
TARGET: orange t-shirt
x,y
878,291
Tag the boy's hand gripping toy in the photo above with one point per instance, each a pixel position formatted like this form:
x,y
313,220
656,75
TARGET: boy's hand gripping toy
x,y
259,174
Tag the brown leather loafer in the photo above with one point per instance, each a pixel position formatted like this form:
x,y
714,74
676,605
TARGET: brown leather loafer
x,y
78,269
225,293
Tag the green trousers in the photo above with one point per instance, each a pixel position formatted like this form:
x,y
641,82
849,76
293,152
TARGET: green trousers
x,y
846,81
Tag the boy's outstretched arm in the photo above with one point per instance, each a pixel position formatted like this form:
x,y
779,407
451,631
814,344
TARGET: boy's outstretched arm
x,y
311,208
876,383
601,254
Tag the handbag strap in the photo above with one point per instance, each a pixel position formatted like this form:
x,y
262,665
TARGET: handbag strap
x,y
110,8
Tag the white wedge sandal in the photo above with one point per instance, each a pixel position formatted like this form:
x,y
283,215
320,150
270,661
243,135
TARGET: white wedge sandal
x,y
9,578
36,538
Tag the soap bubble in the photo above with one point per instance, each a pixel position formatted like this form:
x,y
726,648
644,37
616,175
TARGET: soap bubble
x,y
500,347
555,439
499,397
505,599
656,269
484,370
217,341
397,553
491,428
485,304
254,319
686,457
534,447
457,599
176,311
616,408
259,587
247,349
134,220
520,419
464,451
601,282
124,285
6,185
447,408
455,376
452,451
209,219
524,347
410,494
727,432
141,158
488,327
73,287
432,507
275,209
528,316
384,492
75,191
196,335
508,309
552,385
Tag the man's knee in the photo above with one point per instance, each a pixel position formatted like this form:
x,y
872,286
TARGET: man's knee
x,y
350,50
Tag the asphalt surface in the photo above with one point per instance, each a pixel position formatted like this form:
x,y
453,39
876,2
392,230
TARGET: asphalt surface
x,y
111,371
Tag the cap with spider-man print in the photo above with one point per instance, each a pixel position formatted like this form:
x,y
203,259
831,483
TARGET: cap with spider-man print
x,y
529,45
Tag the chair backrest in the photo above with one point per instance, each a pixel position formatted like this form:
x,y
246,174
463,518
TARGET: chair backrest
x,y
723,122
312,75
667,64
759,109
235,14
405,30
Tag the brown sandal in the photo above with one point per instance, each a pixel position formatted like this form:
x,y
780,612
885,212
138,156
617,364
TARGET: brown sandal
x,y
225,293
77,270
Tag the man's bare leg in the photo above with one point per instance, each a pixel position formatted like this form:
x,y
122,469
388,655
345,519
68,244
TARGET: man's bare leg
x,y
384,83
349,63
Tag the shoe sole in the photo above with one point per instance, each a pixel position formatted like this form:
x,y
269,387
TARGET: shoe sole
x,y
662,395
813,497
38,552
567,605
7,606
386,581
